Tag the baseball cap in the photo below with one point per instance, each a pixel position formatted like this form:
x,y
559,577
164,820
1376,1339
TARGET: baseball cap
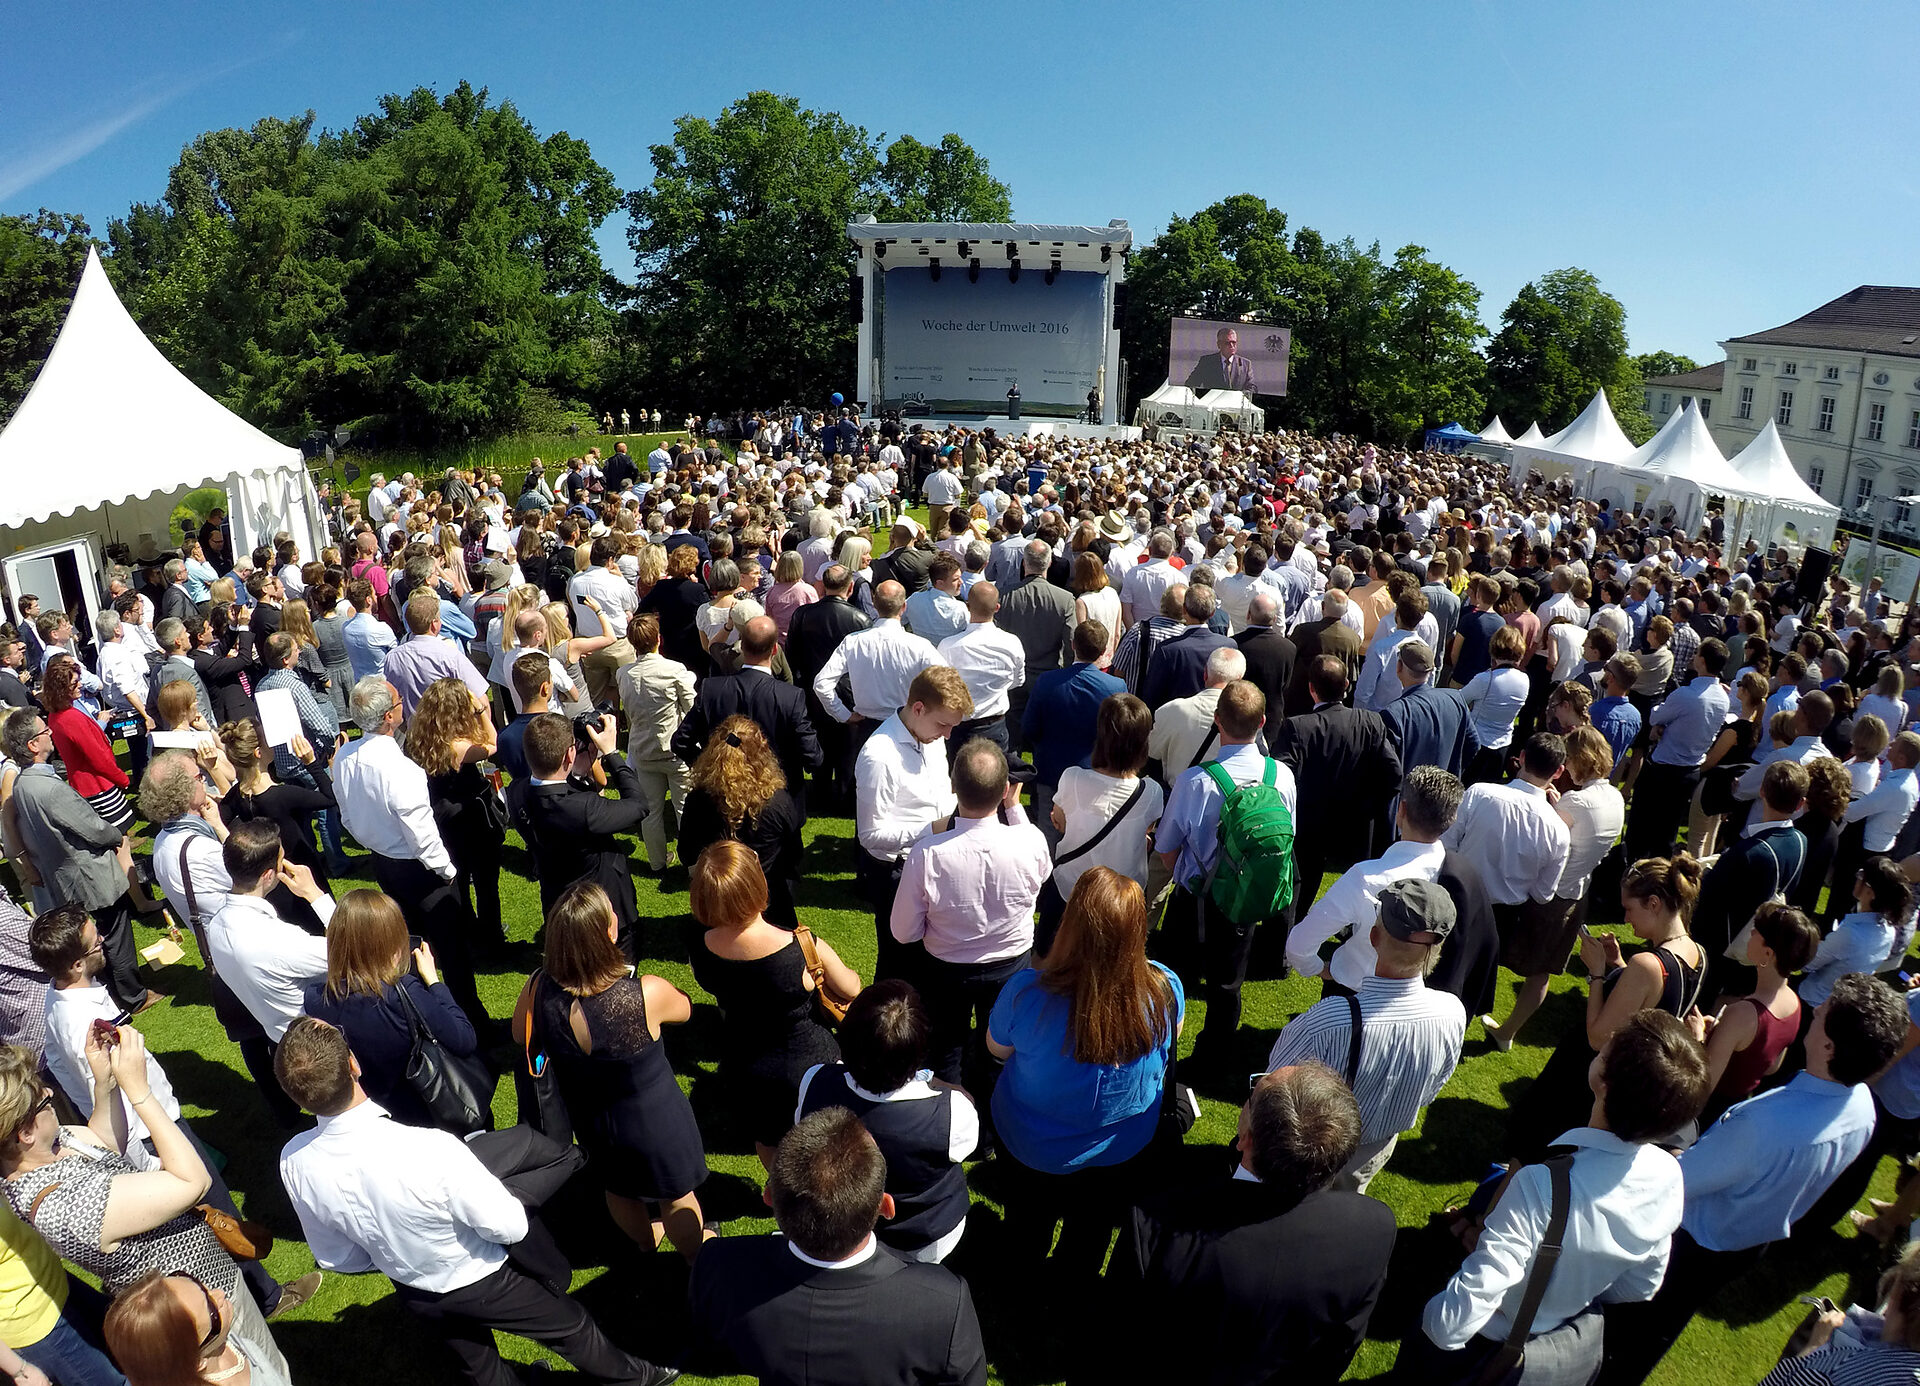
x,y
1416,911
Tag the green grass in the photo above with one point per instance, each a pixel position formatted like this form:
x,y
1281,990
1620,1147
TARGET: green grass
x,y
508,455
354,1330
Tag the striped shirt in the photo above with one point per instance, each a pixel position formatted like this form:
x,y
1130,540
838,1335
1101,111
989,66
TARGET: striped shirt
x,y
1127,663
1854,1357
1409,1044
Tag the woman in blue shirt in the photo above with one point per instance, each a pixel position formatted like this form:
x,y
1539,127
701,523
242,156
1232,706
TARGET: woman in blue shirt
x,y
1861,941
1494,698
1087,1038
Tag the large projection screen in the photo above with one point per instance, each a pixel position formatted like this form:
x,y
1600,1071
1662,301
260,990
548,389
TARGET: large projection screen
x,y
1247,356
956,346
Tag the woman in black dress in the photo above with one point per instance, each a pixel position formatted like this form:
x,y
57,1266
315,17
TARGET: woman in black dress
x,y
450,733
676,599
1656,896
737,790
289,807
600,1027
1829,790
758,975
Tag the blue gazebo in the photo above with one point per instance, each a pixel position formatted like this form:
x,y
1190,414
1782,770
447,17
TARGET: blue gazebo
x,y
1452,438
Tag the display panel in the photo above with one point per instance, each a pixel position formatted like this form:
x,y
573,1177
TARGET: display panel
x,y
1247,356
955,345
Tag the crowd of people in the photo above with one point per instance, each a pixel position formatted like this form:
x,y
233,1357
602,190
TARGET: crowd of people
x,y
1105,725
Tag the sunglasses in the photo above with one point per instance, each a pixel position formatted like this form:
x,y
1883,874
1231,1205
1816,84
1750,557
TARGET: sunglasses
x,y
213,1310
44,1104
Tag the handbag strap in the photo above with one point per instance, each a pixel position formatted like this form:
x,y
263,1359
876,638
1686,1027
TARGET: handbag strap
x,y
33,1208
1213,735
416,1022
803,936
1353,1042
1560,1171
1139,788
193,903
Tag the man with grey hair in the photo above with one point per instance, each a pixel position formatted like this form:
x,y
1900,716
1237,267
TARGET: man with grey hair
x,y
1339,579
1271,656
1040,616
1143,584
1178,668
1184,733
385,805
123,678
179,666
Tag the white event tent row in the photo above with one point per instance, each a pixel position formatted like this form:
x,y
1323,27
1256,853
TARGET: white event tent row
x,y
1495,432
110,438
1575,450
1176,406
1788,510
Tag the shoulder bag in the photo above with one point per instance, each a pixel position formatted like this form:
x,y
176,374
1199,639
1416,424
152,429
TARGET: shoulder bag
x,y
1139,788
1509,1363
536,1085
457,1091
830,1001
241,1238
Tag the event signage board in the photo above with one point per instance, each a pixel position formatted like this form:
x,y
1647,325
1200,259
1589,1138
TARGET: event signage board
x,y
958,346
1247,356
1897,569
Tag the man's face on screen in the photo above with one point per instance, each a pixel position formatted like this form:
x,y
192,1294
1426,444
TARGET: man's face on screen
x,y
1229,344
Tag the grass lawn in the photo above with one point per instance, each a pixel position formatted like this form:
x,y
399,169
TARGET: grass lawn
x,y
508,455
354,1330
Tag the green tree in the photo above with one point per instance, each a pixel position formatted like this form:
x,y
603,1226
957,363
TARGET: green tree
x,y
1653,363
1562,338
740,241
1430,371
41,257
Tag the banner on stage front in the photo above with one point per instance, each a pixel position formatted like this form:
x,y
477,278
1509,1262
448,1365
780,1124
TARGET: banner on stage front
x,y
957,346
1250,357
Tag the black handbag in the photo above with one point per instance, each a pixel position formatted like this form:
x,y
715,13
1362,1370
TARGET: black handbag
x,y
536,1085
456,1090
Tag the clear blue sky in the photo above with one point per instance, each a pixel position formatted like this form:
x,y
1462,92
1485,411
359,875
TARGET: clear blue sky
x,y
1721,168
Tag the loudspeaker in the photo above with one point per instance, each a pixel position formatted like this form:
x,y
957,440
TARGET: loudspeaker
x,y
1815,566
1119,303
857,299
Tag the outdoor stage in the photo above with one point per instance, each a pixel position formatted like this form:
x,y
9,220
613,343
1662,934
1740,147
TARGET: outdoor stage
x,y
1005,427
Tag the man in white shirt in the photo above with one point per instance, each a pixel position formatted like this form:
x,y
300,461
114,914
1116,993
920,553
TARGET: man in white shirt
x,y
991,662
66,945
268,961
942,487
1145,583
384,804
879,662
1810,721
900,785
616,600
1627,1198
419,1206
1512,834
1184,731
1429,800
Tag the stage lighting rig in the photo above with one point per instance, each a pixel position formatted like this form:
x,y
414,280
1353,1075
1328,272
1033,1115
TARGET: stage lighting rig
x,y
933,264
879,250
965,254
973,270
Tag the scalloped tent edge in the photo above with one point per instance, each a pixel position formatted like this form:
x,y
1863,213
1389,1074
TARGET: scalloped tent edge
x,y
111,435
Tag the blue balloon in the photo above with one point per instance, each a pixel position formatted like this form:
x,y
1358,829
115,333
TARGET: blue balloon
x,y
839,398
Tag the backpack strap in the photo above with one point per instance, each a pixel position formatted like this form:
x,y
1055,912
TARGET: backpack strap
x,y
1353,1041
1221,779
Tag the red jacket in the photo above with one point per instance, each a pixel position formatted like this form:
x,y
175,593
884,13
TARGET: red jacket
x,y
91,767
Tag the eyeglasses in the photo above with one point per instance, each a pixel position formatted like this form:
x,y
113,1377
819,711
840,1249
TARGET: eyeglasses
x,y
213,1310
44,1104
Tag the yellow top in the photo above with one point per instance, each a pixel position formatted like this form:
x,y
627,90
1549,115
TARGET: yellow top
x,y
33,1284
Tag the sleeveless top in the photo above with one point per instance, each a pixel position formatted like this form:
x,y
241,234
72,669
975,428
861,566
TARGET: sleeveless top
x,y
1680,984
1748,1066
913,1128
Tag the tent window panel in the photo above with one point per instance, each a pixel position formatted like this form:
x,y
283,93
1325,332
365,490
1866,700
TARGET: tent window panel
x,y
1784,414
1745,411
1825,422
1876,422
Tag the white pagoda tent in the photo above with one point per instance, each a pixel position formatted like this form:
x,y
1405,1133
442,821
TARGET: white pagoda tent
x,y
1590,440
110,439
1532,438
1495,432
1680,466
1786,510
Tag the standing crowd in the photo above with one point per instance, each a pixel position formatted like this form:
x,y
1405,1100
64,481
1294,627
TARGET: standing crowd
x,y
1105,726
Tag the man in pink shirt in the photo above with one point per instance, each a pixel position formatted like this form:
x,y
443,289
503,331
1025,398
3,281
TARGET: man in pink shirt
x,y
967,890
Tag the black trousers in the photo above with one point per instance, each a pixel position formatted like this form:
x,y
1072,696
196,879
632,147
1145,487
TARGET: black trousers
x,y
879,881
436,909
465,1319
993,729
115,924
1661,797
1638,1335
958,994
1209,953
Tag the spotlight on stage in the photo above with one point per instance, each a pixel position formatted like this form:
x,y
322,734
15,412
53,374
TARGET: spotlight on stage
x,y
934,265
973,270
879,250
1106,253
1013,272
1052,270
964,252
1013,250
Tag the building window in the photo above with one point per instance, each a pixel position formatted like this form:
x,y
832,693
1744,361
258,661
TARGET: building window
x,y
1825,422
1789,368
1902,514
1646,400
1784,414
1876,422
1863,492
1745,411
1749,364
1913,430
1666,402
1817,478
1706,407
1833,372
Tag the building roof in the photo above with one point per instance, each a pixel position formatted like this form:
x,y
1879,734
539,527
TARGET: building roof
x,y
1705,378
1874,318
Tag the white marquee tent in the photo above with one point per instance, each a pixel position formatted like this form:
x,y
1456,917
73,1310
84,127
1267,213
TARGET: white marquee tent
x,y
111,437
1588,441
1176,406
1788,510
1495,432
1679,466
1532,438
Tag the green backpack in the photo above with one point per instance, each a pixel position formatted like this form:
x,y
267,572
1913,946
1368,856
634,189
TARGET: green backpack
x,y
1252,875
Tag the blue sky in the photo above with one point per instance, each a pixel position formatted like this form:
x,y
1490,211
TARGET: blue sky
x,y
1721,168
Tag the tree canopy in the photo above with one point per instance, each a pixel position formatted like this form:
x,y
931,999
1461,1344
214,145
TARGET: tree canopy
x,y
740,242
1562,338
41,257
1653,363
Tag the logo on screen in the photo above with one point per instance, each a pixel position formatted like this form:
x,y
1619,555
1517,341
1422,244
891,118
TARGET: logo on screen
x,y
1275,344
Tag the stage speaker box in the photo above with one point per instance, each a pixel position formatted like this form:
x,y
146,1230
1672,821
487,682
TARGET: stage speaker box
x,y
1816,565
857,299
1119,304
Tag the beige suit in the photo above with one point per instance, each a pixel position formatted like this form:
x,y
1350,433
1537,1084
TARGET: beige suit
x,y
656,694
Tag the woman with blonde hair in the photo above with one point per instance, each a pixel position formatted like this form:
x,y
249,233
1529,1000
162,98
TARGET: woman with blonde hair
x,y
296,620
256,794
450,733
599,1025
374,987
788,593
737,791
571,649
522,596
760,976
650,567
676,599
1095,599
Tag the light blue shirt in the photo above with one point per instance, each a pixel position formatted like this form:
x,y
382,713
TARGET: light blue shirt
x,y
455,626
1191,823
1781,700
200,579
1858,943
935,614
1899,1087
1692,718
1754,1172
367,638
1495,698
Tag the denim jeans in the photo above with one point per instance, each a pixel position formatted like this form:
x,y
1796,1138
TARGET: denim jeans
x,y
71,1354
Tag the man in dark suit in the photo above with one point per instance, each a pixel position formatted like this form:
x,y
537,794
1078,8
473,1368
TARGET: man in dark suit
x,y
1269,1275
174,601
827,1304
1040,616
1179,665
813,634
1329,635
1270,655
779,708
1226,369
568,825
1753,868
1429,726
1469,965
905,563
1347,770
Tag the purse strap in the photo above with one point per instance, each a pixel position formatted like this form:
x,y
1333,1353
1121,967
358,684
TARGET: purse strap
x,y
1139,788
1560,1171
1213,735
33,1208
816,969
417,1023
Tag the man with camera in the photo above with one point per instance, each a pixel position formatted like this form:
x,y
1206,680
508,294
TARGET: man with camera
x,y
568,826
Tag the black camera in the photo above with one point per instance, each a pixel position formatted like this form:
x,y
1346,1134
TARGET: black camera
x,y
585,725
